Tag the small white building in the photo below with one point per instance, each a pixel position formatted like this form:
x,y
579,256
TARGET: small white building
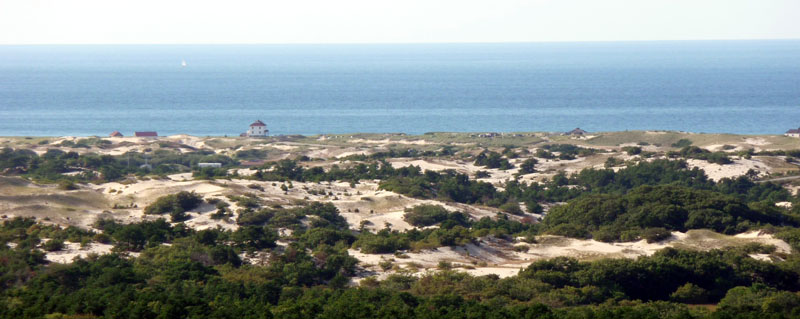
x,y
793,133
258,129
204,165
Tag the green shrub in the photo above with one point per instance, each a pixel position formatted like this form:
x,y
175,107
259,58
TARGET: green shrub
x,y
690,293
632,150
670,207
254,237
246,201
682,143
528,166
613,162
534,207
606,234
511,208
425,215
656,234
542,153
702,154
53,245
177,216
521,248
386,264
569,230
67,185
482,174
102,238
492,160
175,204
383,242
255,186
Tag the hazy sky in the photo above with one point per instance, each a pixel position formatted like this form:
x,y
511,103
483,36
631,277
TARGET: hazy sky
x,y
372,21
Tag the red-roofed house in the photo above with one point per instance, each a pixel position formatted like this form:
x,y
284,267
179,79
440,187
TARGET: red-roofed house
x,y
258,129
146,134
793,133
115,134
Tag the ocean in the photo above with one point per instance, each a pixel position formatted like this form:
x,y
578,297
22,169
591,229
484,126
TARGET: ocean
x,y
745,87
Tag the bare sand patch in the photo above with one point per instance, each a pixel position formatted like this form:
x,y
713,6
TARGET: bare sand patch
x,y
74,250
283,147
756,141
498,257
738,168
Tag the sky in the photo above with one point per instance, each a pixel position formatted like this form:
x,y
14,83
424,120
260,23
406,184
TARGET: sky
x,y
399,21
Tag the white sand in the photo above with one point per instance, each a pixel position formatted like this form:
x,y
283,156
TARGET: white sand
x,y
73,250
502,260
757,141
738,168
787,205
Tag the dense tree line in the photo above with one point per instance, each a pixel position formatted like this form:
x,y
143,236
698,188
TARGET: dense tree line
x,y
425,215
200,275
449,185
611,217
52,165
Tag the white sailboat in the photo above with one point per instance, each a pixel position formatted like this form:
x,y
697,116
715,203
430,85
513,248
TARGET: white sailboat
x,y
183,63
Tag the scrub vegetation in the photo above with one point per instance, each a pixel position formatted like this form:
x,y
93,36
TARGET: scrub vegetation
x,y
294,239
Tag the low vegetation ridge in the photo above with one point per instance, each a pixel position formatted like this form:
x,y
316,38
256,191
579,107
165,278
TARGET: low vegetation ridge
x,y
440,225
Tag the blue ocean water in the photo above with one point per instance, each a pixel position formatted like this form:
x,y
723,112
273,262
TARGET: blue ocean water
x,y
750,87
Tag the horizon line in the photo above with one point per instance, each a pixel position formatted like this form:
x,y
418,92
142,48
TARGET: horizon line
x,y
405,43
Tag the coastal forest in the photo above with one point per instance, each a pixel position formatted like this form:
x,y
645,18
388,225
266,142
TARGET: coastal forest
x,y
441,225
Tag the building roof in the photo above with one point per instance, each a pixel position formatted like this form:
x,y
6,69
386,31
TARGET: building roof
x,y
258,123
793,131
577,131
115,134
145,134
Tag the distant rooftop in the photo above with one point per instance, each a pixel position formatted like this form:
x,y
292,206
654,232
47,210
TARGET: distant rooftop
x,y
258,123
145,134
577,131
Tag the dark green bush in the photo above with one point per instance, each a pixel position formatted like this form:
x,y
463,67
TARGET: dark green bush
x,y
492,160
655,234
511,208
175,204
682,143
53,245
425,215
528,166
